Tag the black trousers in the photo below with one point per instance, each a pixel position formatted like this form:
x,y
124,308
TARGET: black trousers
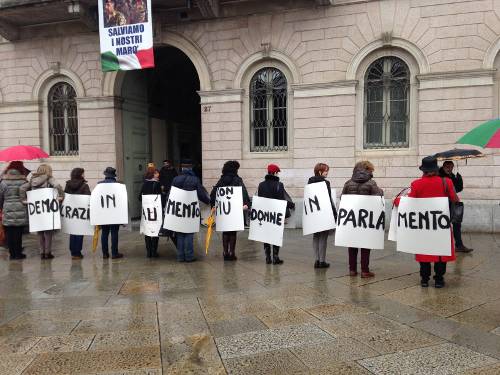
x,y
151,244
14,240
457,234
229,242
439,270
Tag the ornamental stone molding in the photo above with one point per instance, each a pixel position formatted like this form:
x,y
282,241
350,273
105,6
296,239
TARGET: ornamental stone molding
x,y
491,54
50,75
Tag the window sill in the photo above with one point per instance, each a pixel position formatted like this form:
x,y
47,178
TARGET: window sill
x,y
62,158
266,154
387,151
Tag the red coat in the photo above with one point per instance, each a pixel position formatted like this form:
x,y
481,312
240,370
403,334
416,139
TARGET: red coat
x,y
432,187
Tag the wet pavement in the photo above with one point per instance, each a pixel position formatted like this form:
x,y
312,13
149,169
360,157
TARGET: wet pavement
x,y
140,316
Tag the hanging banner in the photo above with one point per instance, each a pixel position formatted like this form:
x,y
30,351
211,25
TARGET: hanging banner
x,y
109,204
126,34
267,220
75,215
317,213
151,217
361,221
229,209
43,209
182,212
424,226
393,226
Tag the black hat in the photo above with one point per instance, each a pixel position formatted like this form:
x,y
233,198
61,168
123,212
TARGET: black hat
x,y
429,164
110,172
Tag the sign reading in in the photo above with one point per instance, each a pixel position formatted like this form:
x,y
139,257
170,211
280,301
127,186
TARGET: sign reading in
x,y
317,215
151,217
182,212
423,226
229,209
109,204
43,209
75,215
361,222
267,220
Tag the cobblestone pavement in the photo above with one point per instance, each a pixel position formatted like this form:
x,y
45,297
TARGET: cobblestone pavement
x,y
151,316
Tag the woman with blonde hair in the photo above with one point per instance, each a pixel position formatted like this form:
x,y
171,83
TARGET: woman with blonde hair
x,y
41,179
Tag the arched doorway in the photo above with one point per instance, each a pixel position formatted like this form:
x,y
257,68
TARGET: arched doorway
x,y
161,118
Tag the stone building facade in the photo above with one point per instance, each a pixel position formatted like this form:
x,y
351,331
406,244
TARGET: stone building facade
x,y
330,69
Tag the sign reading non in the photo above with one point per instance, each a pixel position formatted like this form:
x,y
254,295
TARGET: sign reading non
x,y
267,220
182,211
229,209
109,204
423,226
43,209
75,215
151,216
361,222
317,214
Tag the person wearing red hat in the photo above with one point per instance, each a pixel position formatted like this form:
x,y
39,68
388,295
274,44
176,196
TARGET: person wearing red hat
x,y
272,188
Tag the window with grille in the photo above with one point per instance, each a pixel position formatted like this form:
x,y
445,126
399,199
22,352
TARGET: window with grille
x,y
63,120
387,95
268,111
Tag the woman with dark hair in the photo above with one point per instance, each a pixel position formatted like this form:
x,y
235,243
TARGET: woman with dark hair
x,y
76,185
230,178
151,186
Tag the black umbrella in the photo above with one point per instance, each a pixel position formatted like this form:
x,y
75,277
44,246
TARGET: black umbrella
x,y
458,154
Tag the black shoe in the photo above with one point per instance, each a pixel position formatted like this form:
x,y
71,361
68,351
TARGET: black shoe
x,y
439,284
463,249
155,254
226,257
76,256
269,260
49,256
191,260
323,265
117,256
233,257
316,264
424,284
277,261
105,256
43,256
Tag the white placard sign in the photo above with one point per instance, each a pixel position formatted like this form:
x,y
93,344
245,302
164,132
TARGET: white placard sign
x,y
151,216
75,215
182,211
317,213
424,226
393,226
109,204
361,221
43,209
267,220
229,209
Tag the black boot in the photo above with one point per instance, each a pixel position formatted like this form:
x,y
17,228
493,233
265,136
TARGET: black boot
x,y
268,255
276,259
154,247
148,246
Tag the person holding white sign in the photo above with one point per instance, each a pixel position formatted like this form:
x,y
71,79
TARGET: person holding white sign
x,y
41,179
320,239
430,185
361,183
230,178
151,186
76,185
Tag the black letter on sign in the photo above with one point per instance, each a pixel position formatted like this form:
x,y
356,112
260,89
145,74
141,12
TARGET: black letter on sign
x,y
105,202
381,221
314,201
152,214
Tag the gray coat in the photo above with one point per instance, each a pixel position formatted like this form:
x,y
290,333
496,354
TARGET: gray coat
x,y
40,182
14,211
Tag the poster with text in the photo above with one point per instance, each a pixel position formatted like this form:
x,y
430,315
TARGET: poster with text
x,y
182,211
317,213
43,210
126,34
361,221
424,226
75,215
267,220
229,209
109,204
151,215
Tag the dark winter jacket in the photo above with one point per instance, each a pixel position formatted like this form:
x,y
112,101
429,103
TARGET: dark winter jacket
x,y
77,186
40,182
457,180
230,179
361,183
167,175
108,180
188,181
315,179
150,187
272,188
14,211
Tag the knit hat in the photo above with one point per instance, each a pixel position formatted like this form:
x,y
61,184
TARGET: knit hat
x,y
273,169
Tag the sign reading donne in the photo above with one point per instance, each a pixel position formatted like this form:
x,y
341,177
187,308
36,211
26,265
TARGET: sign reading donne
x,y
126,35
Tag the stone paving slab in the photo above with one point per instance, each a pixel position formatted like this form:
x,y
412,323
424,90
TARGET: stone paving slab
x,y
275,362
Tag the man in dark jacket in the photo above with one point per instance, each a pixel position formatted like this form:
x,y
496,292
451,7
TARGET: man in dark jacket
x,y
447,171
167,175
272,188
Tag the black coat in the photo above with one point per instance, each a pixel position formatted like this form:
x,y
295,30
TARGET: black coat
x,y
188,181
272,188
79,186
167,175
150,187
315,179
230,179
457,180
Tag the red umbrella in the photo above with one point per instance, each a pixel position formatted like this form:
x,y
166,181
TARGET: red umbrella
x,y
21,152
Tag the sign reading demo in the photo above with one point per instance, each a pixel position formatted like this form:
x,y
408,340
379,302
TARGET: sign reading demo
x,y
109,204
75,215
182,211
317,214
267,220
361,222
43,209
151,217
423,226
229,209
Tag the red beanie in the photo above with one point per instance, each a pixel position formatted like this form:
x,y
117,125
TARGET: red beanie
x,y
273,169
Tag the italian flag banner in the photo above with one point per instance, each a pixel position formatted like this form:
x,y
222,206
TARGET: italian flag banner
x,y
126,35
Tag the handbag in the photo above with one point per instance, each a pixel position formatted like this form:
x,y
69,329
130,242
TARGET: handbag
x,y
456,208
